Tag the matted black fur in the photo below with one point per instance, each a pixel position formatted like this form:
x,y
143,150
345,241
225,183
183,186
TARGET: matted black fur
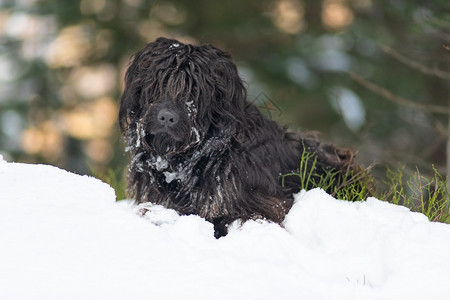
x,y
199,147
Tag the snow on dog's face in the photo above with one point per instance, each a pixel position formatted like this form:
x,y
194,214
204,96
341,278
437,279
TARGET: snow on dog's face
x,y
169,126
178,95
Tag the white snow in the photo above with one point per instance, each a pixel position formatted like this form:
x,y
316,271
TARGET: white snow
x,y
174,45
189,104
63,236
191,109
159,163
171,176
197,134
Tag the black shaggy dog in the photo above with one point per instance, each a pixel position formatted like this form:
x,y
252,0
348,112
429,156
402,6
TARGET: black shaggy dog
x,y
199,147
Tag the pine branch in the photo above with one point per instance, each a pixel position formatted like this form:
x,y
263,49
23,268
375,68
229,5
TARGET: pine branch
x,y
397,99
415,65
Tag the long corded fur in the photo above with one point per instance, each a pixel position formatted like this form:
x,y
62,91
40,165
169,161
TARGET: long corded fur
x,y
224,159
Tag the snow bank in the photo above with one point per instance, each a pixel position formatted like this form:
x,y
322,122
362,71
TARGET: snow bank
x,y
63,236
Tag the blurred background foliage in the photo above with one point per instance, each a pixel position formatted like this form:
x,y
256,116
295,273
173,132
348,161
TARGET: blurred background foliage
x,y
62,64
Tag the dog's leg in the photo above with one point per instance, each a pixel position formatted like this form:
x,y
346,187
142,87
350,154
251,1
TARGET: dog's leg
x,y
221,226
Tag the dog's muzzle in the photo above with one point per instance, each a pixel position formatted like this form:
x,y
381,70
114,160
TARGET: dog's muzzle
x,y
167,118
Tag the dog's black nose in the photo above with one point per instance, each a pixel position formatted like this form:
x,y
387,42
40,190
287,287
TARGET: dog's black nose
x,y
167,117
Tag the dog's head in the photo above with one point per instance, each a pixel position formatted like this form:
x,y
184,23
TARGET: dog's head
x,y
176,95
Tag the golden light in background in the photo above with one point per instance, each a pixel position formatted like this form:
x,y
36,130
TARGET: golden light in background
x,y
32,30
91,120
88,7
93,81
167,13
4,17
103,9
19,24
99,150
46,140
362,4
151,30
104,40
288,16
160,15
32,140
134,3
69,48
336,14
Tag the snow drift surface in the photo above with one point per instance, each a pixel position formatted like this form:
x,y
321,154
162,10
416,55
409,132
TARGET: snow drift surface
x,y
63,236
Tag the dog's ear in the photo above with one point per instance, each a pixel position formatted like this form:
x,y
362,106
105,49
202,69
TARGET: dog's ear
x,y
130,108
229,93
